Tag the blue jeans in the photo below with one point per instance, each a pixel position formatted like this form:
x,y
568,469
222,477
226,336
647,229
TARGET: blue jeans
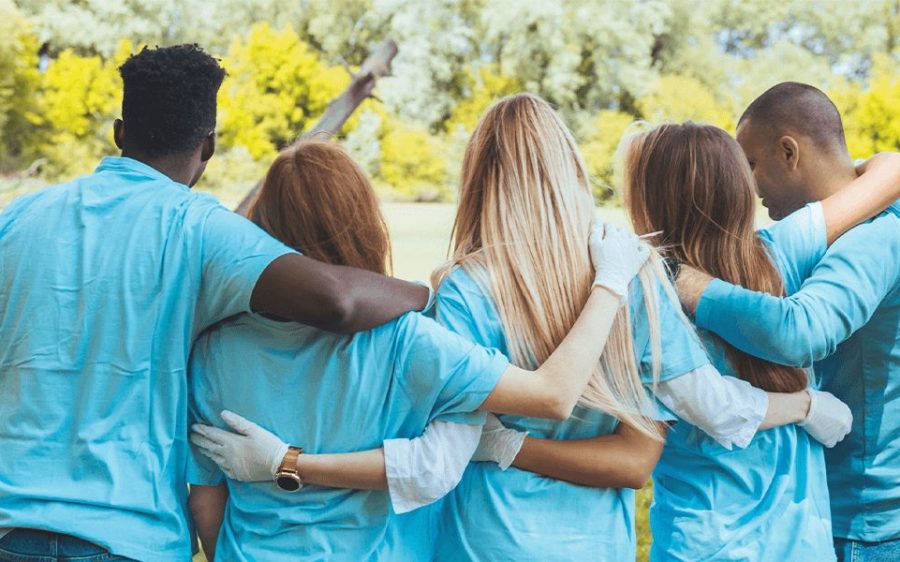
x,y
32,545
857,551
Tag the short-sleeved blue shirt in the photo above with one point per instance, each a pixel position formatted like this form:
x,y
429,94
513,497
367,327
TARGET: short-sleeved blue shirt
x,y
520,515
329,394
104,284
767,501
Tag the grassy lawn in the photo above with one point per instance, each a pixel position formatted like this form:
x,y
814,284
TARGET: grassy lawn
x,y
420,234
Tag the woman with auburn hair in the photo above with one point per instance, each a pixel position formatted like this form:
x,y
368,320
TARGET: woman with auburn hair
x,y
373,392
691,186
519,274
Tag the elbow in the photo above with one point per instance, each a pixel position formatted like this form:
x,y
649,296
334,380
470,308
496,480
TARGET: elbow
x,y
338,313
558,408
794,352
639,471
638,477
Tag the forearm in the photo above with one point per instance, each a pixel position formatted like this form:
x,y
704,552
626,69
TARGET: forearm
x,y
873,191
786,330
207,505
785,409
554,388
363,470
603,462
728,409
333,298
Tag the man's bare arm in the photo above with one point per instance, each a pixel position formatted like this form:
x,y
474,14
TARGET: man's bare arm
x,y
335,298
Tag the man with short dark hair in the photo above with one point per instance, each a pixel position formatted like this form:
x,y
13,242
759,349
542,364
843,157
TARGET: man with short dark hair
x,y
845,317
104,284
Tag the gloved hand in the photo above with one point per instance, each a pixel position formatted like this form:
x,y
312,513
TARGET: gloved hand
x,y
617,256
250,455
829,420
498,443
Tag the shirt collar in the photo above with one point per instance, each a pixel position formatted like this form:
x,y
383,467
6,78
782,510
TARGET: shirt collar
x,y
124,164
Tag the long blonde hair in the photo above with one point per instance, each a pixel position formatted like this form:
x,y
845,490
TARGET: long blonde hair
x,y
521,230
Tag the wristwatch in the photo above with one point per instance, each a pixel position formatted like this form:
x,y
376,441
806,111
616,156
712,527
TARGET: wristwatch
x,y
287,477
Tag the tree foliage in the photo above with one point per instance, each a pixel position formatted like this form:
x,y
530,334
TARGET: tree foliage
x,y
277,86
603,63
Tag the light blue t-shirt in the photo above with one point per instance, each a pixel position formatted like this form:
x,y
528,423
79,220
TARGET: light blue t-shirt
x,y
329,394
513,515
848,308
766,502
104,284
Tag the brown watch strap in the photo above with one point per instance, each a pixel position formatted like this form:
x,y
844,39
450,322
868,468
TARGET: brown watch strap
x,y
289,462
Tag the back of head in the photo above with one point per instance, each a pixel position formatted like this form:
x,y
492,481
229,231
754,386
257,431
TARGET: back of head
x,y
317,200
169,102
522,226
692,183
798,109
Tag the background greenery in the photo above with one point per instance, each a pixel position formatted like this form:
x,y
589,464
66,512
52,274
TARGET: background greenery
x,y
603,63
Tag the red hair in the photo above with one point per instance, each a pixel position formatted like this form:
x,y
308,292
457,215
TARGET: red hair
x,y
317,200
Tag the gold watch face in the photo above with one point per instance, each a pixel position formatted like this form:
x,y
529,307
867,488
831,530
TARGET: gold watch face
x,y
288,482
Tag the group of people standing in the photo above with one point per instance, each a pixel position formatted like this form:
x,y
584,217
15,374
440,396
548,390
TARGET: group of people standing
x,y
169,369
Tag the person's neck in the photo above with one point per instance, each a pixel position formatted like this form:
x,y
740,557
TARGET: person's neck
x,y
175,168
832,176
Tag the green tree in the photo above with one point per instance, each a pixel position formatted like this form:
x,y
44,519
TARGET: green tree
x,y
872,114
413,163
679,98
599,149
80,97
19,81
483,86
277,86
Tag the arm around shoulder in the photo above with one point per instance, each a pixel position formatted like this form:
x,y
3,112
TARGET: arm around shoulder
x,y
334,298
625,459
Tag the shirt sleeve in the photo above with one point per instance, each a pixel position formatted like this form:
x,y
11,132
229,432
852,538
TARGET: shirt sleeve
x,y
201,470
234,253
797,243
422,470
463,308
727,409
842,293
680,350
445,371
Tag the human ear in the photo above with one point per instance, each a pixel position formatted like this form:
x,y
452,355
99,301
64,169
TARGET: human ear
x,y
119,133
209,147
790,151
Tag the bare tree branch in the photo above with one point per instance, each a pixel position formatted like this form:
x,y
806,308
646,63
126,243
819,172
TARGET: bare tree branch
x,y
376,65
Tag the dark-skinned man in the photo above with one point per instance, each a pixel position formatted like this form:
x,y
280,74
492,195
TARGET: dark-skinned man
x,y
104,284
846,316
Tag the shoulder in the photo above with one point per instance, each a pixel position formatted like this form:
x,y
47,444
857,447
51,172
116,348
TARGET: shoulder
x,y
807,223
878,235
461,282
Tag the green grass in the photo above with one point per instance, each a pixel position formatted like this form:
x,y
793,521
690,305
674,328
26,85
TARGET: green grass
x,y
420,234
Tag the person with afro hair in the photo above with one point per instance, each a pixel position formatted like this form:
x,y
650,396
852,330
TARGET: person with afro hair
x,y
105,282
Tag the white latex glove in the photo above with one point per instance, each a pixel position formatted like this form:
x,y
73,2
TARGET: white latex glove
x,y
250,455
829,420
617,256
499,443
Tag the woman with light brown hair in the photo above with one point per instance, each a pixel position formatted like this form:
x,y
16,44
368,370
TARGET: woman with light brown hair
x,y
690,186
518,275
389,394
